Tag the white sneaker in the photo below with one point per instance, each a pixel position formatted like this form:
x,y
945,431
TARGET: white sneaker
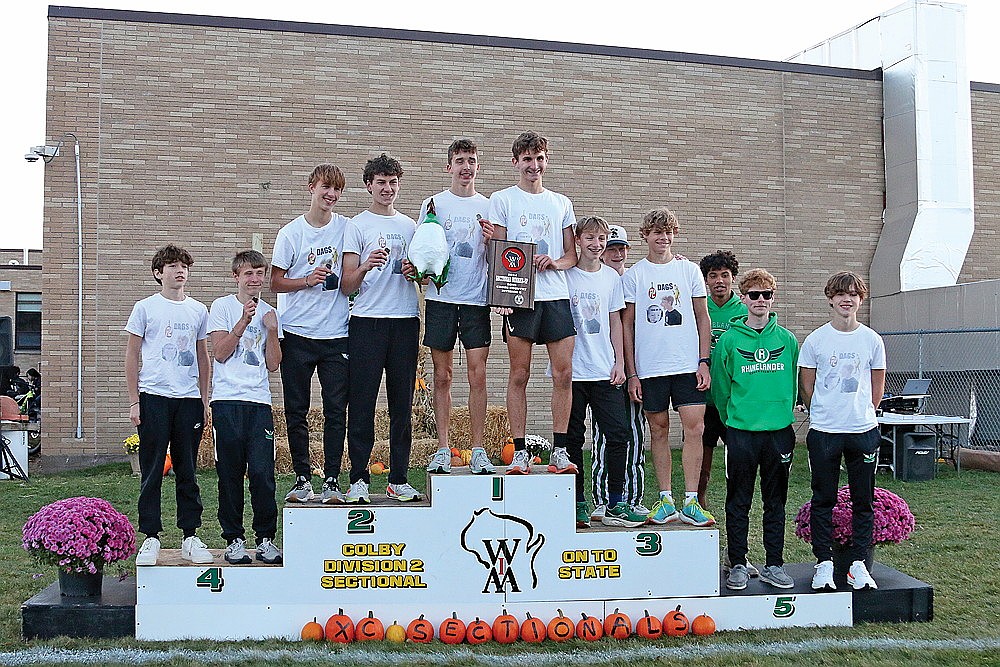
x,y
823,576
332,494
236,553
520,464
194,550
639,508
599,511
479,463
858,576
358,493
559,462
268,553
441,462
148,552
404,493
302,492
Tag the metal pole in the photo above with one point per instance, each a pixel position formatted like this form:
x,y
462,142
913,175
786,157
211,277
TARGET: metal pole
x,y
79,292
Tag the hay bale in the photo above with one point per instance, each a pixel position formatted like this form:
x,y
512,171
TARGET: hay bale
x,y
495,433
423,446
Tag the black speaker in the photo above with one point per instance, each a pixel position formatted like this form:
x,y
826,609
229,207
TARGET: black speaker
x,y
6,342
919,457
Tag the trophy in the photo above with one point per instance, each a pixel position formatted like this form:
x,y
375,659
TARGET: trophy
x,y
511,277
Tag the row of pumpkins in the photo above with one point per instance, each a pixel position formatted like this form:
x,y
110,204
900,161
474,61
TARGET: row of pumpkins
x,y
506,629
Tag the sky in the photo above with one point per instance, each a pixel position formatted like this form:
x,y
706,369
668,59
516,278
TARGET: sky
x,y
764,29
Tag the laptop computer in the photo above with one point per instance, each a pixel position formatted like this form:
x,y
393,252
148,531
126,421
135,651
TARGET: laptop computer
x,y
915,388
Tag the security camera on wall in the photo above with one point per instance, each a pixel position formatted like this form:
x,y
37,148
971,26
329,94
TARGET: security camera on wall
x,y
31,157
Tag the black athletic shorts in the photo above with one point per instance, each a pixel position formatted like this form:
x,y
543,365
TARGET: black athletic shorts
x,y
662,391
715,430
446,322
547,322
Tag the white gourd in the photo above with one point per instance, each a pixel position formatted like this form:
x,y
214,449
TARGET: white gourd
x,y
429,252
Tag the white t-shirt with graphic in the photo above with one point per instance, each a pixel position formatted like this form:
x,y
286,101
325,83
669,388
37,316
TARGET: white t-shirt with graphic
x,y
539,219
844,360
243,376
313,312
593,297
666,334
467,273
384,292
170,331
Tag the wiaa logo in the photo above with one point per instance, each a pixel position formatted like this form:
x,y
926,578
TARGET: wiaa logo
x,y
506,546
513,259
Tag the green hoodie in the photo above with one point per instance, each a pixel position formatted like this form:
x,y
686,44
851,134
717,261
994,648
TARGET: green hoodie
x,y
722,317
754,376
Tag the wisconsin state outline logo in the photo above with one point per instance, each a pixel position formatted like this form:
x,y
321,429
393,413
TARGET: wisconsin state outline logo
x,y
506,546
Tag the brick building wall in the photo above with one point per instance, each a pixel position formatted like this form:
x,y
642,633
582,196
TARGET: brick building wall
x,y
204,135
981,262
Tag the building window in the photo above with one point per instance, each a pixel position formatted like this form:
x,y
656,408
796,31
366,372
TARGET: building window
x,y
28,323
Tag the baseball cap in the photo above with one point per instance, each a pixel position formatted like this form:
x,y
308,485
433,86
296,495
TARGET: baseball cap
x,y
617,236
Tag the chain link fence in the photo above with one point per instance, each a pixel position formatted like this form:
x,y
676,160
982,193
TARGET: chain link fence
x,y
964,368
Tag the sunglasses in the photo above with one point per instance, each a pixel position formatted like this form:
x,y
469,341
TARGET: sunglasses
x,y
753,294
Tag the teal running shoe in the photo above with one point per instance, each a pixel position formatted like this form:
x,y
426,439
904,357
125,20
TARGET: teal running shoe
x,y
663,512
694,514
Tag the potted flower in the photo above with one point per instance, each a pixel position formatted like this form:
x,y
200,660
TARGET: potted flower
x,y
131,447
536,446
893,523
79,536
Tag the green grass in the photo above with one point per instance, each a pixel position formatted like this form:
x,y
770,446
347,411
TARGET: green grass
x,y
955,548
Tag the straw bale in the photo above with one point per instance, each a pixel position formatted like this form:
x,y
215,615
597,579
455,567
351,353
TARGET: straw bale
x,y
424,444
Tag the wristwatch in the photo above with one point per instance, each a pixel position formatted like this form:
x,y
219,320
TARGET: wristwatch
x,y
706,361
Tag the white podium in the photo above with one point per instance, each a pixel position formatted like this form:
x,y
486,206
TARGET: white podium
x,y
482,544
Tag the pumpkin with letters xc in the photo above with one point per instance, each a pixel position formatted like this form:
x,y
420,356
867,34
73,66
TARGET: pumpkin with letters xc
x,y
369,629
533,629
505,628
589,628
478,632
618,625
561,628
675,623
312,631
703,625
452,630
420,631
648,627
339,628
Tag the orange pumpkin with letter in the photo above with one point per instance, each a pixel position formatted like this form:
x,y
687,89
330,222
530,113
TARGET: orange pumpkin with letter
x,y
420,631
339,628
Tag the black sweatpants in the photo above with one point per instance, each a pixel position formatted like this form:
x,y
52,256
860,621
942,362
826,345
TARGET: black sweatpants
x,y
607,405
244,445
860,452
300,358
771,452
378,344
177,424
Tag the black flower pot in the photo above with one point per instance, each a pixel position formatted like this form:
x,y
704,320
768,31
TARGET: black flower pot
x,y
80,584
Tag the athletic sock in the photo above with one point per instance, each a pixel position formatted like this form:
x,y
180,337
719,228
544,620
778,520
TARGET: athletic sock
x,y
518,444
689,495
559,440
